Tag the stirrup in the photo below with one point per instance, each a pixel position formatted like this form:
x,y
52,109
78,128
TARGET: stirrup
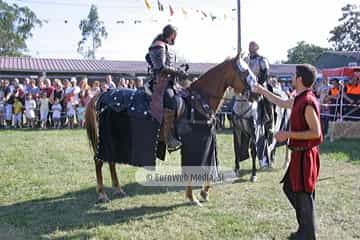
x,y
173,149
147,89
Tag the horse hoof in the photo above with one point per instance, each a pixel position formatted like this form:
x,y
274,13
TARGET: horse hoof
x,y
119,194
101,200
237,172
253,178
174,149
195,202
204,196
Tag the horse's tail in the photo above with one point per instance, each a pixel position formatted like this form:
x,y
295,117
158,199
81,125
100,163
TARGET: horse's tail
x,y
91,124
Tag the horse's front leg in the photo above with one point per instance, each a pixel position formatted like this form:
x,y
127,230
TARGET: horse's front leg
x,y
190,195
118,192
102,198
204,194
237,151
253,158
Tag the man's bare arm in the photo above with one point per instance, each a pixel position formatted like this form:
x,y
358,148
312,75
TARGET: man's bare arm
x,y
313,122
284,103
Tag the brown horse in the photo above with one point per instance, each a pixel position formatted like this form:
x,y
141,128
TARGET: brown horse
x,y
211,87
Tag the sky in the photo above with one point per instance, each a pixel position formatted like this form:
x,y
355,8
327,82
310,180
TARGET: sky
x,y
277,26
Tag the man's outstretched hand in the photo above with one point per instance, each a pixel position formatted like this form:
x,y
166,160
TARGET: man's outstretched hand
x,y
258,88
281,136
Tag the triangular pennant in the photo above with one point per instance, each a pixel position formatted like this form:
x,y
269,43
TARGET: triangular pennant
x,y
213,17
148,6
171,10
203,13
184,11
160,6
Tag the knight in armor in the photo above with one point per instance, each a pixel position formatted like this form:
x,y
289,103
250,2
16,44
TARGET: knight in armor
x,y
163,103
260,67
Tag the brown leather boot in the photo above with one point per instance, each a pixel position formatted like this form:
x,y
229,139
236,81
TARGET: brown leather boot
x,y
169,130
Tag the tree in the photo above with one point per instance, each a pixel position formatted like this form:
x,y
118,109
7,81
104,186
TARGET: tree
x,y
91,29
16,25
346,36
304,53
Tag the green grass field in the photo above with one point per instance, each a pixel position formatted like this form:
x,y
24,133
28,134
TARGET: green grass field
x,y
47,191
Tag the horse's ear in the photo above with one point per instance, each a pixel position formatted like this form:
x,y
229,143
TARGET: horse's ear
x,y
240,55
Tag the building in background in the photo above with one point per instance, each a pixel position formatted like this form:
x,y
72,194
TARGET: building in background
x,y
25,67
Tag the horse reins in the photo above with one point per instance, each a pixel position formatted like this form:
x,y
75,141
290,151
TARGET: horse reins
x,y
237,70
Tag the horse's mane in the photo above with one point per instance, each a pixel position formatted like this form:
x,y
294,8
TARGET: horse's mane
x,y
216,71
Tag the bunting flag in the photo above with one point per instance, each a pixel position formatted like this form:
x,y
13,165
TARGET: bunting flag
x,y
213,17
225,17
120,21
148,6
171,10
184,11
137,21
160,6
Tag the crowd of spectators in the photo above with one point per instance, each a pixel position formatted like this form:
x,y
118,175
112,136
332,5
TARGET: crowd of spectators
x,y
54,103
51,103
337,97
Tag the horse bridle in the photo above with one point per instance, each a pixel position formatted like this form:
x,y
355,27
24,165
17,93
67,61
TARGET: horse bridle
x,y
239,73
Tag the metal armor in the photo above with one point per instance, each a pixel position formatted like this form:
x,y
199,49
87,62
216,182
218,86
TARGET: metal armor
x,y
163,103
260,67
161,58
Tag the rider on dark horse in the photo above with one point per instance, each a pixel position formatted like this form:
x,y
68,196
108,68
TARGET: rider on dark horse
x,y
163,80
260,67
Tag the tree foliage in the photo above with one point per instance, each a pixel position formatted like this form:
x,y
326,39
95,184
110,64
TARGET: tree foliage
x,y
92,31
16,26
346,36
304,53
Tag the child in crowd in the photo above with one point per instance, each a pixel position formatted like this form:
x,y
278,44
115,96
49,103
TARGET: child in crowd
x,y
56,111
18,110
30,106
44,109
2,110
70,111
81,113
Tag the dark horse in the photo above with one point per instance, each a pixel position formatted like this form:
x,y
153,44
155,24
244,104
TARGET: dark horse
x,y
120,130
249,132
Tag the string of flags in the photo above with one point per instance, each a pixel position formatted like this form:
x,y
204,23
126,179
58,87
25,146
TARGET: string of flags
x,y
202,13
167,10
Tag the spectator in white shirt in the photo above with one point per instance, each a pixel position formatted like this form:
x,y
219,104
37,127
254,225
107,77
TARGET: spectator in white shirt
x,y
110,82
30,106
44,109
56,111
